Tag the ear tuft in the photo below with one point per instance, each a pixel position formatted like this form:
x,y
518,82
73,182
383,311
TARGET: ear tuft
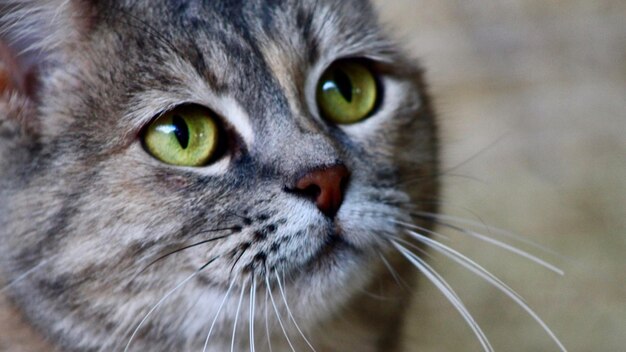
x,y
17,108
45,27
11,74
35,35
17,93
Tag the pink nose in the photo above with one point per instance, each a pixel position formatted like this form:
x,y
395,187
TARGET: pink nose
x,y
325,187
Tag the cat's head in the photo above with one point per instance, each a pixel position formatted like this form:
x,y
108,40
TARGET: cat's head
x,y
204,146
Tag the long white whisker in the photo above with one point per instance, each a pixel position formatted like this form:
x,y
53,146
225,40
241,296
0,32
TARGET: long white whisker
x,y
252,308
392,271
282,293
163,299
479,224
480,271
509,248
23,276
463,260
447,291
219,309
502,245
232,341
280,322
411,245
267,325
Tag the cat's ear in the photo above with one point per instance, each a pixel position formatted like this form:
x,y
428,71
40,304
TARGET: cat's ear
x,y
47,28
11,76
35,35
17,107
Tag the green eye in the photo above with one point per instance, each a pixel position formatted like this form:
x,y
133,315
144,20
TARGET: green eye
x,y
185,136
347,92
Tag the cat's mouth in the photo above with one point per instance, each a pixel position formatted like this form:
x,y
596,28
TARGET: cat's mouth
x,y
334,247
333,243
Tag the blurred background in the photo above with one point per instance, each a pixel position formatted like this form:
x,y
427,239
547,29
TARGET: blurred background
x,y
532,98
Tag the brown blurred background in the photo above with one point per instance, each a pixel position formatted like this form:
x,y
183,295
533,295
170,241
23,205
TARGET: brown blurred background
x,y
532,97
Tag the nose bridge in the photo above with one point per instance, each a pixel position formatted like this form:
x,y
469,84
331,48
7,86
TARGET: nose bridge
x,y
309,163
291,149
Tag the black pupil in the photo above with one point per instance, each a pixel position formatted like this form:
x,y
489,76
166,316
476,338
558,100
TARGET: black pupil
x,y
181,130
344,84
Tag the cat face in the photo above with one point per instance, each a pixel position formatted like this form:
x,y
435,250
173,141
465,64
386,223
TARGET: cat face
x,y
294,196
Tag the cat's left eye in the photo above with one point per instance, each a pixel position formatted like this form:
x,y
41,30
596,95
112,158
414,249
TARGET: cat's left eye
x,y
184,136
347,92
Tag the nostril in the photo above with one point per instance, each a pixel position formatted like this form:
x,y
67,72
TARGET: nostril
x,y
325,187
312,192
344,184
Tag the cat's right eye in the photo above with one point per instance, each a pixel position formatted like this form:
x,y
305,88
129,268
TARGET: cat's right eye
x,y
184,136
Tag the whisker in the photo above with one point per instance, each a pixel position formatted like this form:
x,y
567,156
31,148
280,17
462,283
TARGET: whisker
x,y
280,322
267,325
230,274
252,306
242,217
483,273
232,341
189,246
24,275
393,272
476,154
231,228
219,309
489,228
164,298
412,245
447,291
464,261
435,177
282,292
499,244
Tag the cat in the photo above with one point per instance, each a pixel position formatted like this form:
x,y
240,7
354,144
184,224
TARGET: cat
x,y
210,176
215,176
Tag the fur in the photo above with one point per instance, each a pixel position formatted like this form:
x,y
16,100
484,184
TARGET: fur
x,y
85,211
